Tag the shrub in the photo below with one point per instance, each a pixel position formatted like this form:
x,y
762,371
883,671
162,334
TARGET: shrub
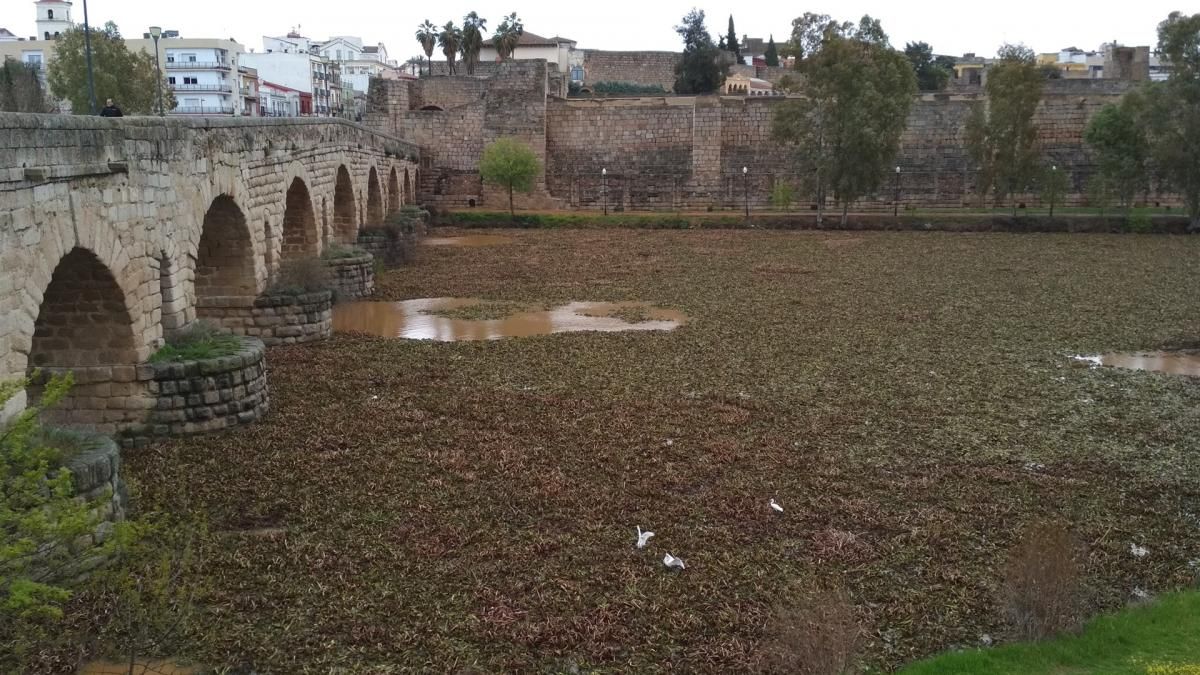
x,y
782,195
341,252
40,522
201,340
1041,590
1139,223
300,276
813,631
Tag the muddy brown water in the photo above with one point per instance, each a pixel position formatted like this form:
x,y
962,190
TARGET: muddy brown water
x,y
1172,363
411,319
469,240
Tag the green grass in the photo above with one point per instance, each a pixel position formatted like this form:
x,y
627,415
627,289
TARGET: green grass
x,y
1160,637
341,252
206,347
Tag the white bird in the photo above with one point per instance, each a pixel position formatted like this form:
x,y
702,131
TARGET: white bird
x,y
775,506
643,537
673,562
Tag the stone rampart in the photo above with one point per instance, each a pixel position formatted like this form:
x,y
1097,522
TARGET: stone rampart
x,y
647,68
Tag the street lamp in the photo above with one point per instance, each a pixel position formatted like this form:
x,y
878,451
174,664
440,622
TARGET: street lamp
x,y
896,202
604,188
87,50
746,189
156,32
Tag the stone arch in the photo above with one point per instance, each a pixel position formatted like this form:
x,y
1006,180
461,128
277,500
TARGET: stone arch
x,y
432,108
84,326
374,200
225,274
344,216
301,237
393,191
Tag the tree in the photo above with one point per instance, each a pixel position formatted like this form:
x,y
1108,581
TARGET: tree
x,y
699,70
40,519
810,31
472,40
507,36
509,164
1172,112
21,88
1054,184
932,74
772,55
846,132
450,39
1120,148
1001,136
731,42
427,35
129,78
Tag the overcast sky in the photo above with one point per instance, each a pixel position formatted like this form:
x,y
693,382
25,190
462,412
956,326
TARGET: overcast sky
x,y
951,27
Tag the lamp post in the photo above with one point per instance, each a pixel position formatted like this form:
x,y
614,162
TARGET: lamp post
x,y
1053,186
896,202
746,189
156,32
87,51
604,188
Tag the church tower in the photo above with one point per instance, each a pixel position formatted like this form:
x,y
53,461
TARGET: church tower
x,y
53,18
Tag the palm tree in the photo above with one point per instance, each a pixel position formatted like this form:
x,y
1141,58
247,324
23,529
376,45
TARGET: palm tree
x,y
427,36
507,34
449,40
472,40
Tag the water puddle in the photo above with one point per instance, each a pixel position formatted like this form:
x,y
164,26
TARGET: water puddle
x,y
469,240
139,668
470,319
1171,363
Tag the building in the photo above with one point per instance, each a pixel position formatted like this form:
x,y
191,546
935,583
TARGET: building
x,y
969,69
7,36
204,75
742,84
276,100
1074,63
358,62
53,18
557,51
303,72
248,84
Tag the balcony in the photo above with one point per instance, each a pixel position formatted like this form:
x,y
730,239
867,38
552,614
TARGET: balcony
x,y
203,87
196,65
203,110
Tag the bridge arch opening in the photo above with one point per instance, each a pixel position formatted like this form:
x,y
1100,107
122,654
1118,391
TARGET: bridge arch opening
x,y
84,326
224,260
374,200
393,192
432,108
344,226
300,235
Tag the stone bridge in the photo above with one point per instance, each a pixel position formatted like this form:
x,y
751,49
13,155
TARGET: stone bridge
x,y
116,232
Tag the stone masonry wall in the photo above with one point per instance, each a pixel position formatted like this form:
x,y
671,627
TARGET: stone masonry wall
x,y
277,320
353,278
194,397
124,204
648,68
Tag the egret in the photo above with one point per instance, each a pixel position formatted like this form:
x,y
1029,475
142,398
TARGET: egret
x,y
643,537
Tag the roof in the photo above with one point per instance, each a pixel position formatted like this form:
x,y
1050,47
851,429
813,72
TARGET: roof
x,y
559,39
527,39
370,50
6,33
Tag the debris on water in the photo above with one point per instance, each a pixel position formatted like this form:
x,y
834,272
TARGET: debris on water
x,y
643,537
1035,466
776,506
673,563
1139,551
1093,361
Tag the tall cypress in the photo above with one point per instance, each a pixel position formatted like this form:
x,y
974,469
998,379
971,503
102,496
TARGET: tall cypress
x,y
731,41
772,55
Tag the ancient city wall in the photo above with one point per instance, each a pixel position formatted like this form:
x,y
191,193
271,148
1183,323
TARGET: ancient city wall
x,y
647,68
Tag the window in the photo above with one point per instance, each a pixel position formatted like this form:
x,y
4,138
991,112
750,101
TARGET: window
x,y
191,80
170,80
577,73
34,59
339,55
170,58
47,35
50,14
190,58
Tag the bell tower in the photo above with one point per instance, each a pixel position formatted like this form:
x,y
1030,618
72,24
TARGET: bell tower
x,y
53,18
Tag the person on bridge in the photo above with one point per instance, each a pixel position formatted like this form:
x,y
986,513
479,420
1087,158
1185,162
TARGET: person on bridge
x,y
111,109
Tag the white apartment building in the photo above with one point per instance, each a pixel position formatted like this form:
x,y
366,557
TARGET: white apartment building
x,y
295,62
203,74
358,62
